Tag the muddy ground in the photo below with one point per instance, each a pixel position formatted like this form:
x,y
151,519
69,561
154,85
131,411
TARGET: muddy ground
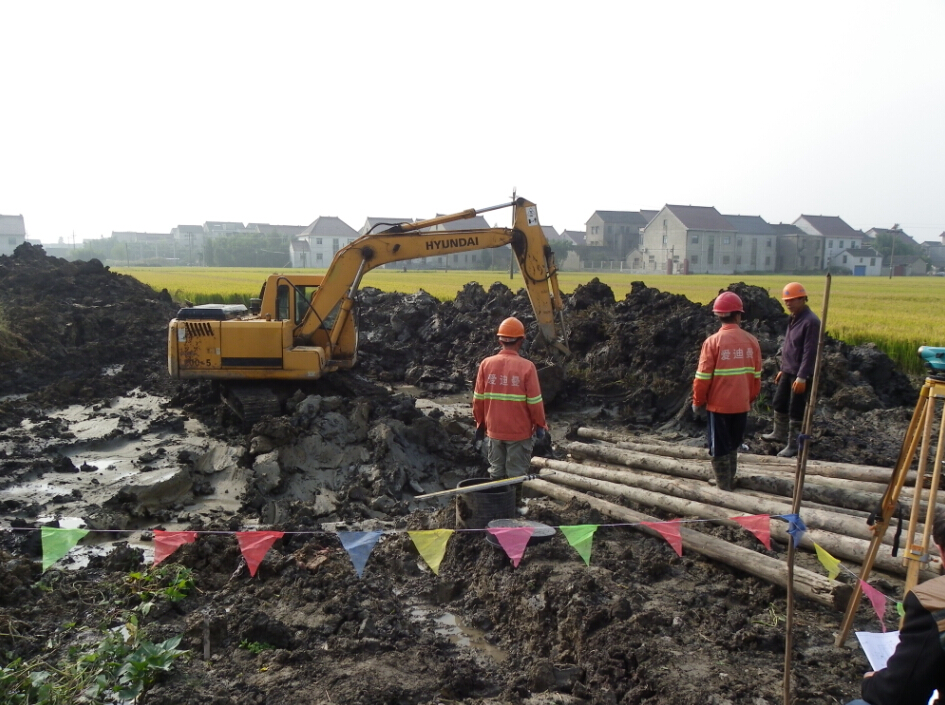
x,y
94,434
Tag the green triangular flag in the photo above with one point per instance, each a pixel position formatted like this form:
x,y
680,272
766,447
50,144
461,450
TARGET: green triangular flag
x,y
58,542
900,608
580,537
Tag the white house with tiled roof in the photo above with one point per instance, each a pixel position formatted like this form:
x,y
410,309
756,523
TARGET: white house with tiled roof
x,y
838,236
325,236
12,233
861,261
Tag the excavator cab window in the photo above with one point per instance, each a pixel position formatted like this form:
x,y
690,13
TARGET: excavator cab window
x,y
282,302
303,295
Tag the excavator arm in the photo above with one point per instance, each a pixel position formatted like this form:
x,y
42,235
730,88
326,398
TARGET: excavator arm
x,y
329,323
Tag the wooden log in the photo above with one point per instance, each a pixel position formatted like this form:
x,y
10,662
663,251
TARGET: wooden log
x,y
807,583
838,545
845,471
698,492
766,482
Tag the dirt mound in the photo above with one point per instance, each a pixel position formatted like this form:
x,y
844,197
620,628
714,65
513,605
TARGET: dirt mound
x,y
78,330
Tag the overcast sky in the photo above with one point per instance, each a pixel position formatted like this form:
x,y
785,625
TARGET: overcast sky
x,y
144,116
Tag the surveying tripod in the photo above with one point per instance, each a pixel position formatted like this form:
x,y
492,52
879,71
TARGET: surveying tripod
x,y
916,554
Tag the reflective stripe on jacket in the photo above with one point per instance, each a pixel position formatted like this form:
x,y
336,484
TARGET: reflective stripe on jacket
x,y
728,378
507,397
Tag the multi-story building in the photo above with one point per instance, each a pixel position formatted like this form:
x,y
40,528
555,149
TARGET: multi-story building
x,y
12,233
837,235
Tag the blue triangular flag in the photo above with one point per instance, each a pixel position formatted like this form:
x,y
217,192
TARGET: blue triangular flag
x,y
796,527
359,545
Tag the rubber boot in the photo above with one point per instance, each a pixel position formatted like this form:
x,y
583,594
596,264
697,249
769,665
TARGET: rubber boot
x,y
732,469
780,431
790,450
720,468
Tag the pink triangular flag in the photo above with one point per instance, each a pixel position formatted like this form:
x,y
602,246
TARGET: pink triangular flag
x,y
759,525
513,540
669,530
254,545
166,542
878,600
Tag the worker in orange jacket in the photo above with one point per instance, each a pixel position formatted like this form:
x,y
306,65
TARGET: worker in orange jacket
x,y
728,380
507,405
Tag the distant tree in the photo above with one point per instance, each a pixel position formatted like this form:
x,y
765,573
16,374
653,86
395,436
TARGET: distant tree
x,y
884,245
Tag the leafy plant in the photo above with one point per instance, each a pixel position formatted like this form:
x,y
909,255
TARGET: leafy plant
x,y
255,647
121,666
171,583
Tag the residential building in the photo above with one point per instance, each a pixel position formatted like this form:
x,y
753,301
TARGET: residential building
x,y
618,231
797,250
906,266
838,236
700,240
576,237
12,233
756,245
895,233
935,251
325,236
861,261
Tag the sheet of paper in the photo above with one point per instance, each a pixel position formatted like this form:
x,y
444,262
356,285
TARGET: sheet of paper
x,y
878,647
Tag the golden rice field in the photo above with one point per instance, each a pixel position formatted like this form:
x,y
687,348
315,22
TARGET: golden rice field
x,y
897,314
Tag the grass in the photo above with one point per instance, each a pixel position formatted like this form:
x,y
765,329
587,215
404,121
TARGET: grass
x,y
897,314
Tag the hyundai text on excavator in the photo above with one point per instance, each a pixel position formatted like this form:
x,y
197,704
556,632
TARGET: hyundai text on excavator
x,y
303,326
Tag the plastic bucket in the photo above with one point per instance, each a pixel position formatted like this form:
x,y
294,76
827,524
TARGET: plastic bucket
x,y
474,510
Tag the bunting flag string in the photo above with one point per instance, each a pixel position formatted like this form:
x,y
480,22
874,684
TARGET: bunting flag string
x,y
166,542
58,542
359,545
759,525
580,537
430,544
513,540
254,545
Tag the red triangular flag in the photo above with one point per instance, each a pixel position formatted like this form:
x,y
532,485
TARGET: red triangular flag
x,y
877,599
254,545
166,542
669,530
759,525
513,540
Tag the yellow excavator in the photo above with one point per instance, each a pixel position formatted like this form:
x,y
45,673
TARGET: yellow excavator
x,y
303,326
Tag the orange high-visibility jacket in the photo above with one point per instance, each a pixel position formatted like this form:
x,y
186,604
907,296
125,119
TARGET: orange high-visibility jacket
x,y
728,378
507,397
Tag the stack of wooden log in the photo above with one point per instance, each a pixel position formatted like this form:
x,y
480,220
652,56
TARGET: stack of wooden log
x,y
837,499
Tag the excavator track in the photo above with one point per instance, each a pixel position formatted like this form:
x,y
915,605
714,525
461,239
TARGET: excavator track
x,y
251,403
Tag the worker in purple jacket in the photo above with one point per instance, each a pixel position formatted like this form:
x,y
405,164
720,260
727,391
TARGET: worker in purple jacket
x,y
798,354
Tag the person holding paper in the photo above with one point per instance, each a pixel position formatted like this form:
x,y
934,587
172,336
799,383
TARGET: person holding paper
x,y
917,667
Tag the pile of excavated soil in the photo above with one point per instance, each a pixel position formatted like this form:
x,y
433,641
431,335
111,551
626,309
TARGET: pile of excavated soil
x,y
639,625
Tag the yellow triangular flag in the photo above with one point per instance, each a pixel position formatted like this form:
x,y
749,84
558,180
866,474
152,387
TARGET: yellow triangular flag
x,y
830,564
432,546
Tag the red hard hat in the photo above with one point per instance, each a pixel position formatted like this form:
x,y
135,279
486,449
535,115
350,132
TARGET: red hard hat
x,y
511,328
794,290
727,302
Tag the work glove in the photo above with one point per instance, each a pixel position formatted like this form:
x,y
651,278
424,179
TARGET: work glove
x,y
540,434
799,386
777,377
480,437
699,412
